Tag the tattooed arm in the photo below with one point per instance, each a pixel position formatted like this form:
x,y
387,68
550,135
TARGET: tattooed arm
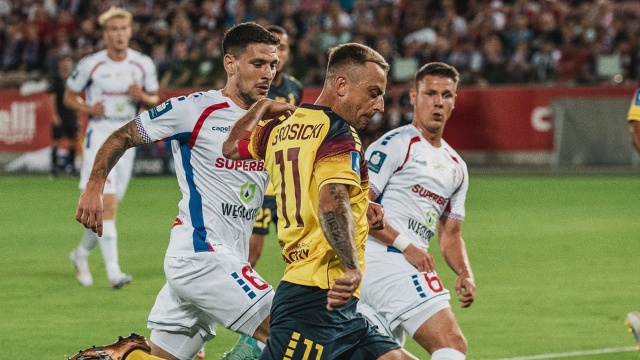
x,y
90,207
338,226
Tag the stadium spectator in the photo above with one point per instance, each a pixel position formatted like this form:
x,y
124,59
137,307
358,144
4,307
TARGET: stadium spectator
x,y
116,82
401,292
324,210
64,121
207,254
573,27
288,89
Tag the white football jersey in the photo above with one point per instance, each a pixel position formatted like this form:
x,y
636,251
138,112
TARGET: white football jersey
x,y
220,197
417,183
108,81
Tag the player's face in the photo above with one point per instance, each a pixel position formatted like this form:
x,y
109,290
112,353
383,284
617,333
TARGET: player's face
x,y
254,70
283,51
117,33
433,100
364,97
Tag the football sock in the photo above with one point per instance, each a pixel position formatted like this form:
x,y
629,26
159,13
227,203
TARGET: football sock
x,y
109,246
54,158
87,243
447,354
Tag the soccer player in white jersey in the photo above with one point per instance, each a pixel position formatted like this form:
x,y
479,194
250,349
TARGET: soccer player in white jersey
x,y
421,182
116,81
209,280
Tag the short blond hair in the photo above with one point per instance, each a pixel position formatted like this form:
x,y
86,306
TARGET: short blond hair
x,y
114,11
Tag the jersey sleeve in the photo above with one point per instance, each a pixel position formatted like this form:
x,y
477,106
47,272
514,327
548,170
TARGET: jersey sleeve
x,y
338,159
79,78
174,119
260,138
151,77
634,108
384,157
456,207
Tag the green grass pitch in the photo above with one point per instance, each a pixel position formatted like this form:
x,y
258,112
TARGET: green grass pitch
x,y
556,259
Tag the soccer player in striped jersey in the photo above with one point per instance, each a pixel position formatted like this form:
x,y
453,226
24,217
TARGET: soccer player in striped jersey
x,y
315,161
117,82
209,280
421,182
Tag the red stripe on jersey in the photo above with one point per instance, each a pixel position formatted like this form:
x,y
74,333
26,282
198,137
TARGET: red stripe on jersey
x,y
95,67
406,157
144,75
452,157
201,119
176,222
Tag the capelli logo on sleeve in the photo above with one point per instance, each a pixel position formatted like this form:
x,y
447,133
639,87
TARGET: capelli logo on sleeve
x,y
222,129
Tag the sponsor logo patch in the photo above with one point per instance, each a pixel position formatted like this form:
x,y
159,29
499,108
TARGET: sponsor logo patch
x,y
637,102
160,109
355,162
376,160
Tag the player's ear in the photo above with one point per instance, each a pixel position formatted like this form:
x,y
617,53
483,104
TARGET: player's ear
x,y
340,83
229,61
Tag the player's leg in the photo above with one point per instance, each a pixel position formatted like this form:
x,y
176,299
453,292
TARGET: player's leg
x,y
55,144
633,322
439,334
72,138
205,289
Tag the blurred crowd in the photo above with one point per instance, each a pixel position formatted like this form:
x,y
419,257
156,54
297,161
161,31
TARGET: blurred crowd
x,y
490,42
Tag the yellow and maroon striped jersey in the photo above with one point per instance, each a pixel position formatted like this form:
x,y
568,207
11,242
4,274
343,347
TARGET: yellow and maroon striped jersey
x,y
312,148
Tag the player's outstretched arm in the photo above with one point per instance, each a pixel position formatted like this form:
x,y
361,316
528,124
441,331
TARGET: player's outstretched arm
x,y
89,212
454,252
338,227
263,109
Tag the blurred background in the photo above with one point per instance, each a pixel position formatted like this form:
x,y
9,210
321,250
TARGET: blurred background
x,y
543,82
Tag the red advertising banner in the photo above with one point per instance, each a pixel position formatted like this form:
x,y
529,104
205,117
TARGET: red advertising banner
x,y
485,119
25,121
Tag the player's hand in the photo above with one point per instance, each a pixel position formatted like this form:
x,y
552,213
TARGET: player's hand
x,y
422,260
90,209
97,109
344,287
275,109
466,289
375,216
135,91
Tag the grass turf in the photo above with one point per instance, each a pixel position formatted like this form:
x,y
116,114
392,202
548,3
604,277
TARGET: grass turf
x,y
555,257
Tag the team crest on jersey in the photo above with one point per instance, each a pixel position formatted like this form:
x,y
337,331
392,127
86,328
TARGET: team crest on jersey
x,y
638,97
355,162
247,192
376,160
160,109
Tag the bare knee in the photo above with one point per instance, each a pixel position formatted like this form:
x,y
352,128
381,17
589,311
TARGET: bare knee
x,y
160,352
441,331
262,332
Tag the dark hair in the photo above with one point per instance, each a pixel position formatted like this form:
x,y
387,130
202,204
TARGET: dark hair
x,y
353,54
237,38
437,69
275,29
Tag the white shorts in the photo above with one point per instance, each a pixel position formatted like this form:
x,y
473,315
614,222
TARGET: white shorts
x,y
118,179
399,296
210,288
